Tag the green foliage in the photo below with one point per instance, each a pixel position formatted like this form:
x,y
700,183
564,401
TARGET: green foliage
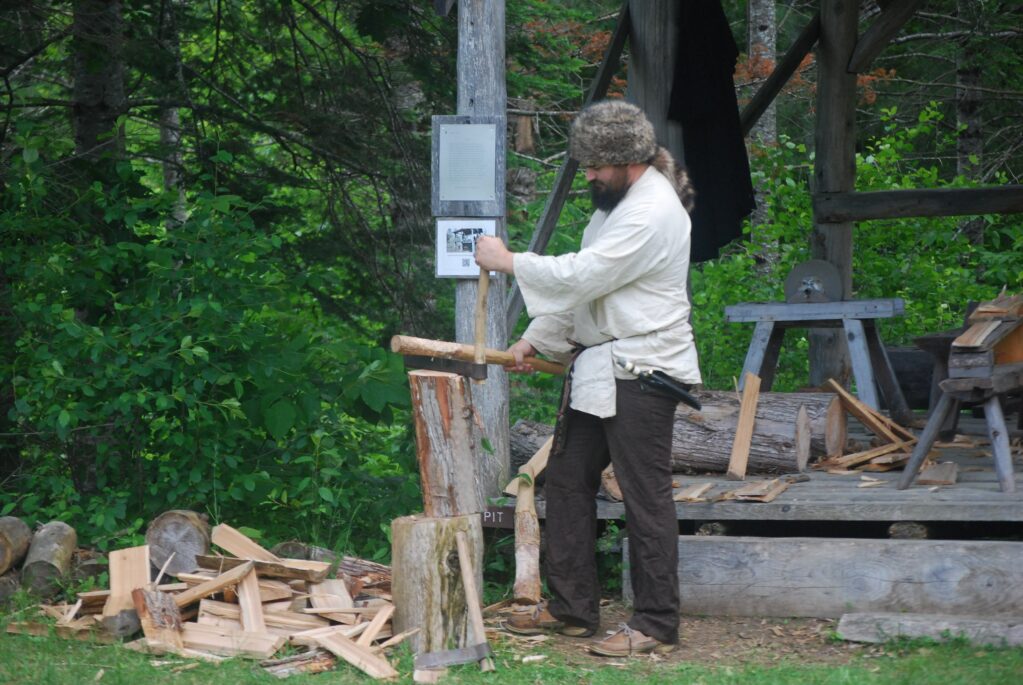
x,y
929,262
185,366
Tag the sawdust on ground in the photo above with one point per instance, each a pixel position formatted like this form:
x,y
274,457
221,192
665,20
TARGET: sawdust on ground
x,y
718,641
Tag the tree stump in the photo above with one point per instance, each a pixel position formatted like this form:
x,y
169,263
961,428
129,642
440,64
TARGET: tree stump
x,y
49,558
449,444
427,585
180,532
15,536
784,441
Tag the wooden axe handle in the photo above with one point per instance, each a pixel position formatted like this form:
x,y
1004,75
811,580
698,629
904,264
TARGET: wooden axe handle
x,y
404,344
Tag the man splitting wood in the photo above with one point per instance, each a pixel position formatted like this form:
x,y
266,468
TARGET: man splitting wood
x,y
620,301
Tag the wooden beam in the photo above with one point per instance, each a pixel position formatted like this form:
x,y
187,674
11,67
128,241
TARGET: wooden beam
x,y
823,577
563,183
880,627
834,168
226,579
783,71
840,207
880,33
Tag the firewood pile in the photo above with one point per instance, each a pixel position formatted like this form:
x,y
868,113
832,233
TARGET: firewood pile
x,y
245,601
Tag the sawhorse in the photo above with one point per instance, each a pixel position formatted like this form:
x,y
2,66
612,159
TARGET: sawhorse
x,y
870,364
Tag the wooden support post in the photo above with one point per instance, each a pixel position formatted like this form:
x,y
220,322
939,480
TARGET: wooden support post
x,y
481,91
427,585
834,167
998,433
449,442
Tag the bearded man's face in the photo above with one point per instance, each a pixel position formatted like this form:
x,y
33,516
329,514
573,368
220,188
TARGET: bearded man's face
x,y
608,185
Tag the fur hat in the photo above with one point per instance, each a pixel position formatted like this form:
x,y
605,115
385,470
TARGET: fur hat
x,y
612,132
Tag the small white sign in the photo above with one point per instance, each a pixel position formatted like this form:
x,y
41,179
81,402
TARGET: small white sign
x,y
456,244
467,162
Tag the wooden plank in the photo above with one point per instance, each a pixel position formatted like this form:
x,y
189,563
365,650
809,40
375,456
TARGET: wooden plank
x,y
240,545
841,207
228,642
227,579
362,658
783,71
307,638
269,590
894,15
296,569
823,577
332,594
765,491
879,627
249,603
867,416
857,458
129,569
939,474
375,626
748,312
288,622
744,427
975,335
693,493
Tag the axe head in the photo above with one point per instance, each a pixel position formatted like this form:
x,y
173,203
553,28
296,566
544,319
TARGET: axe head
x,y
476,372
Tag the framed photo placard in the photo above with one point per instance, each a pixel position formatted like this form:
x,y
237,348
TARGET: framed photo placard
x,y
456,243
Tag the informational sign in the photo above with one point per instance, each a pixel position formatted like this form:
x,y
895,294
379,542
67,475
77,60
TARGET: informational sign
x,y
456,243
467,163
468,166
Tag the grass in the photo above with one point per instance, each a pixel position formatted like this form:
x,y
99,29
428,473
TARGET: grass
x,y
51,660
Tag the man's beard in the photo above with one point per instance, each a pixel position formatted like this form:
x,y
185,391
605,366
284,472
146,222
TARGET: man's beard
x,y
606,196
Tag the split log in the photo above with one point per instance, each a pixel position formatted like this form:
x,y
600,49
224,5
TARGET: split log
x,y
49,558
702,440
427,584
449,445
180,532
159,616
295,549
15,536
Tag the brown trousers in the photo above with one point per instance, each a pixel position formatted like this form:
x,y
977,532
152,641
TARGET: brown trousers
x,y
637,441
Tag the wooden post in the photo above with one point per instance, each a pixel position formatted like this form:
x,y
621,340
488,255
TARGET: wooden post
x,y
834,169
427,585
482,91
449,442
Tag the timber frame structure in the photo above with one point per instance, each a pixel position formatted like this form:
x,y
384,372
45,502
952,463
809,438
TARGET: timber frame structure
x,y
837,206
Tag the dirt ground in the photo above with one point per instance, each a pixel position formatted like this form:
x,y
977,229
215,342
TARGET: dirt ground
x,y
712,640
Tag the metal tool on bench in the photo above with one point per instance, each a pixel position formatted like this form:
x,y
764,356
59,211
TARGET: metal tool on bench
x,y
813,281
661,381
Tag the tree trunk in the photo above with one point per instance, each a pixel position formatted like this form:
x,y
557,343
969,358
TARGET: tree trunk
x,y
183,533
702,440
98,28
15,536
970,138
170,117
482,91
427,588
763,35
449,444
49,558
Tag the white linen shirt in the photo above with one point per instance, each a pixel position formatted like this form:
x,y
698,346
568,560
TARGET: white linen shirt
x,y
622,294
